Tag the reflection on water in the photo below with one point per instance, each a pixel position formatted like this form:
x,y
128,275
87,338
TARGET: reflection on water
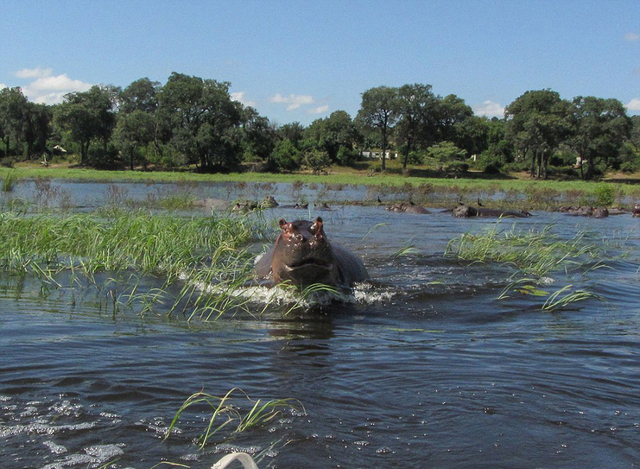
x,y
424,369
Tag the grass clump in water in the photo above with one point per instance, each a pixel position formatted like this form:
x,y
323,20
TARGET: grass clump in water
x,y
9,181
181,250
227,411
533,252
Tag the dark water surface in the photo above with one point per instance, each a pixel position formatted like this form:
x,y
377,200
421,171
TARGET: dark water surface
x,y
427,369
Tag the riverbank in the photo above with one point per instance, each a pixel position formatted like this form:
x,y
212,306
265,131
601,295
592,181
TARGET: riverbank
x,y
520,191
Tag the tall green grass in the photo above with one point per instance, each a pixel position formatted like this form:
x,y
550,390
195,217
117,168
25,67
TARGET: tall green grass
x,y
183,252
535,252
533,255
9,181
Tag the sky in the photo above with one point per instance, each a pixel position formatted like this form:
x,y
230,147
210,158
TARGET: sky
x,y
299,60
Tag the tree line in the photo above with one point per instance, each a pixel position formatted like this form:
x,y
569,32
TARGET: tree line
x,y
195,121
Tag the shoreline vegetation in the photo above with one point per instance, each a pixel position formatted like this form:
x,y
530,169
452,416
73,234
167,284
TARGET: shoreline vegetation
x,y
420,185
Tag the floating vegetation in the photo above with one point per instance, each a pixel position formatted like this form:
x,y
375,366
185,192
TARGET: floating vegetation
x,y
533,252
558,300
227,410
564,297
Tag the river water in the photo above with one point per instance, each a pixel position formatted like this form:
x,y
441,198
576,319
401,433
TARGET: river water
x,y
424,368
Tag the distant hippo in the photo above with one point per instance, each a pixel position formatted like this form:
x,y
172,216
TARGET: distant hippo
x,y
303,256
268,202
601,212
409,208
636,210
466,211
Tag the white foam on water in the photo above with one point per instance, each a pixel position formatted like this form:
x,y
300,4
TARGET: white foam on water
x,y
104,452
362,293
93,456
72,460
55,448
42,429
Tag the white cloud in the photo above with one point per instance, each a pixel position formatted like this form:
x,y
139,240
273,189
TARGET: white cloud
x,y
319,110
633,105
240,97
490,109
50,89
2,85
37,72
294,101
632,37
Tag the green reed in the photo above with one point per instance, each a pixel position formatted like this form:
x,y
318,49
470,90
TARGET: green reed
x,y
189,253
536,252
9,181
227,412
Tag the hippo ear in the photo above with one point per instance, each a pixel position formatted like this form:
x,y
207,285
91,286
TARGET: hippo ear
x,y
283,224
317,226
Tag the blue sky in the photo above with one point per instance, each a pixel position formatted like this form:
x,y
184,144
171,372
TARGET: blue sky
x,y
301,60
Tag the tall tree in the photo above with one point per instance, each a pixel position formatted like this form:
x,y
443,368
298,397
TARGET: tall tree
x,y
13,113
417,109
140,95
37,128
293,131
259,135
537,122
601,126
336,135
204,121
452,110
379,111
138,124
88,116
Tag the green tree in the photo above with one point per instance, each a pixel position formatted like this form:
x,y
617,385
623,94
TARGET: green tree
x,y
417,109
293,131
451,111
140,95
88,116
600,128
446,152
138,125
13,114
537,123
286,156
259,136
204,121
336,135
379,112
37,128
133,134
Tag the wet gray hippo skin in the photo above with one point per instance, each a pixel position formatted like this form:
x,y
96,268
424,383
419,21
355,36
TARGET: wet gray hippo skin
x,y
465,211
409,208
303,256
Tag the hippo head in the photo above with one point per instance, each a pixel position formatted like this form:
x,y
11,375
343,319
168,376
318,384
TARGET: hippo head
x,y
302,254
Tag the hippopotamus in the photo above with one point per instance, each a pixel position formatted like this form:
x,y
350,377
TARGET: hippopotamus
x,y
268,202
409,208
466,211
636,210
601,212
303,255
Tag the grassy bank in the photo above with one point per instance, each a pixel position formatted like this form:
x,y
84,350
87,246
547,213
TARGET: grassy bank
x,y
519,192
